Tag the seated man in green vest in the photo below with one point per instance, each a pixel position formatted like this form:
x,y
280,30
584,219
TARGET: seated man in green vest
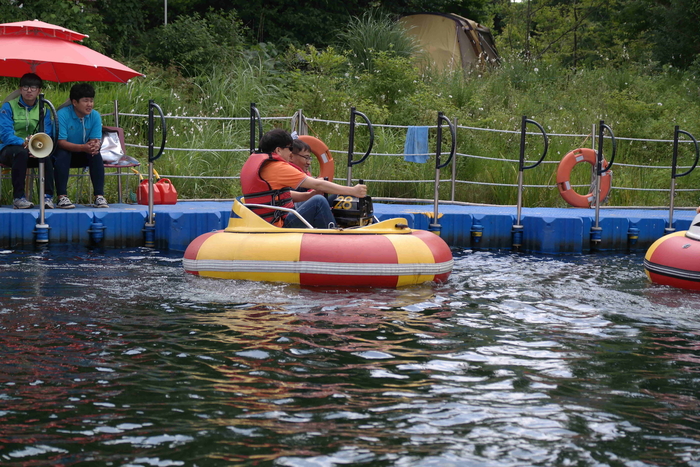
x,y
19,119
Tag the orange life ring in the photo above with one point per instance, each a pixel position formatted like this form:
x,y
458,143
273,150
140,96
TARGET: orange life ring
x,y
564,176
323,155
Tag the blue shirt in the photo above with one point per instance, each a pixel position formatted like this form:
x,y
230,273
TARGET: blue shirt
x,y
78,130
7,124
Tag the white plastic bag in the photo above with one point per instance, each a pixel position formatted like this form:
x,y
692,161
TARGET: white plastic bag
x,y
111,149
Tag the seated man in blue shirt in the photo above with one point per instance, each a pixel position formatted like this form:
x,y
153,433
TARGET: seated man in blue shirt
x,y
79,141
19,119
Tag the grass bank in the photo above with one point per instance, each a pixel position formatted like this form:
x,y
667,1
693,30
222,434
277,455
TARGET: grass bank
x,y
635,102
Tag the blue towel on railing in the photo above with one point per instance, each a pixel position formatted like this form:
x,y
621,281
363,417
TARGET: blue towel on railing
x,y
416,147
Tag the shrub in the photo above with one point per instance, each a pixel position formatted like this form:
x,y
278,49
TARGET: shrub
x,y
195,44
373,34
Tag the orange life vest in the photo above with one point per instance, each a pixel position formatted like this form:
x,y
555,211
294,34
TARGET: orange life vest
x,y
256,190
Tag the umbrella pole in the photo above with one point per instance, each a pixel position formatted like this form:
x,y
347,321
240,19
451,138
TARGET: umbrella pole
x,y
42,229
42,193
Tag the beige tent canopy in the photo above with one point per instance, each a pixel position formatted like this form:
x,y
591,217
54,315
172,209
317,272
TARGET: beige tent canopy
x,y
452,41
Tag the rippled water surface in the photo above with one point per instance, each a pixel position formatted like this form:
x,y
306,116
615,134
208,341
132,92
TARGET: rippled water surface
x,y
120,358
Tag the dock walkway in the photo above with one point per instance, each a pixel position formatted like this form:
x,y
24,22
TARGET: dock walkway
x,y
545,230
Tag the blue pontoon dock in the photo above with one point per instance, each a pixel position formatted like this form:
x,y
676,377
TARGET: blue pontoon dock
x,y
545,230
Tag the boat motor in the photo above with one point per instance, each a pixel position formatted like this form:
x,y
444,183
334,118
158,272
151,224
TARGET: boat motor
x,y
350,211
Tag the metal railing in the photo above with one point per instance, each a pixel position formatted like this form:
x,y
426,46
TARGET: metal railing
x,y
461,132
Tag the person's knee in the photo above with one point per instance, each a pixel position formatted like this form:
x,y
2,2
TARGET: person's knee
x,y
61,157
319,201
21,153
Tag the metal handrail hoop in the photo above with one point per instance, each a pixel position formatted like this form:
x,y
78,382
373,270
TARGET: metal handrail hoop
x,y
435,225
517,232
351,142
149,229
596,236
254,117
280,208
675,174
522,167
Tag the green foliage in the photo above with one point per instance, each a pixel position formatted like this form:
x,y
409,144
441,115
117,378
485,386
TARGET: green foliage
x,y
321,62
125,25
676,33
591,33
374,36
195,44
391,80
199,66
632,102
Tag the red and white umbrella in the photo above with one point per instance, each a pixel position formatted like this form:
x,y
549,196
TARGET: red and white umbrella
x,y
50,52
39,28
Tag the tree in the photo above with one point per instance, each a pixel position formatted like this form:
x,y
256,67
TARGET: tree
x,y
675,33
589,32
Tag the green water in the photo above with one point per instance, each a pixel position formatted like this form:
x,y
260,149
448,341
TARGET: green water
x,y
120,358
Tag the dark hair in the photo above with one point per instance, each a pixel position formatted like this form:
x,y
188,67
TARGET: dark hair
x,y
80,90
277,138
31,79
298,146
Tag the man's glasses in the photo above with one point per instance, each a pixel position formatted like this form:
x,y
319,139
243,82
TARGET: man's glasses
x,y
30,88
308,158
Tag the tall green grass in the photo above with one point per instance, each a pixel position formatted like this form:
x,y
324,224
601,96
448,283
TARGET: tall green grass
x,y
633,101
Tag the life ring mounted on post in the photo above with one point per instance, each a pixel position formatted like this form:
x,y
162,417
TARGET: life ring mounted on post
x,y
323,155
567,164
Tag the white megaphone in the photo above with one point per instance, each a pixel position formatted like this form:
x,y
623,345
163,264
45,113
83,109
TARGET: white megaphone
x,y
40,145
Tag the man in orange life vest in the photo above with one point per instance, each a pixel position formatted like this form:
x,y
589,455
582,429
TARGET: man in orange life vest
x,y
268,178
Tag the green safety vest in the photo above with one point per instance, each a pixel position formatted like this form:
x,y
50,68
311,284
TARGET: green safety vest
x,y
26,120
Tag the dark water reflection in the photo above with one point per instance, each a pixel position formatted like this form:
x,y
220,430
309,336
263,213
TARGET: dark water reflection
x,y
119,358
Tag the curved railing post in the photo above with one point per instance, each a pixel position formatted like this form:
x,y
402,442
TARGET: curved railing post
x,y
596,231
150,227
675,174
254,117
41,231
351,142
453,181
435,226
517,227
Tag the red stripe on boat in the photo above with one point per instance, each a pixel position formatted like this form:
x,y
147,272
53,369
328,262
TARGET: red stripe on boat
x,y
357,249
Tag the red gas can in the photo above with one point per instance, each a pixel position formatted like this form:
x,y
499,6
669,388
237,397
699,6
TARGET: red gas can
x,y
164,192
168,193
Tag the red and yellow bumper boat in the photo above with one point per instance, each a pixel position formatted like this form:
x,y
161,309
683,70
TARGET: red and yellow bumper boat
x,y
383,254
674,259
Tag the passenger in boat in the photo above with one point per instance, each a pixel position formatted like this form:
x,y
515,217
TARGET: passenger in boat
x,y
301,156
269,178
301,159
19,119
79,141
